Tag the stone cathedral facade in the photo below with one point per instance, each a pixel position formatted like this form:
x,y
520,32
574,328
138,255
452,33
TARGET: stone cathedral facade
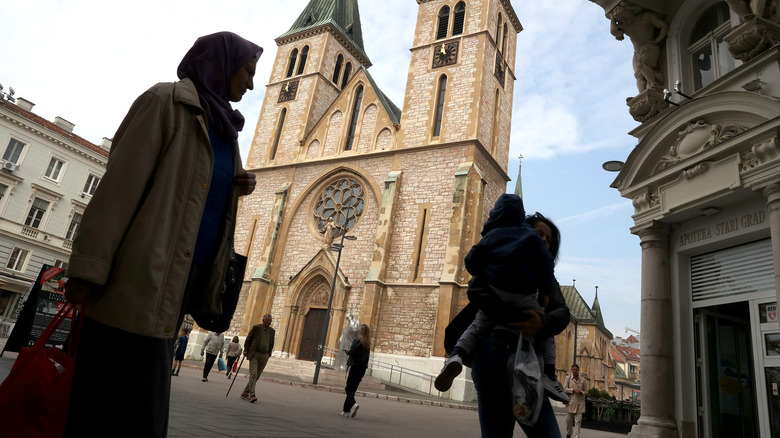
x,y
413,185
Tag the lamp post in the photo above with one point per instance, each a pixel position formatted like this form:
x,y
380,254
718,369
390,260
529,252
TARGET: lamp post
x,y
334,247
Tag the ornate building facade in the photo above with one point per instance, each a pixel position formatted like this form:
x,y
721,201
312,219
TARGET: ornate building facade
x,y
47,176
413,185
704,178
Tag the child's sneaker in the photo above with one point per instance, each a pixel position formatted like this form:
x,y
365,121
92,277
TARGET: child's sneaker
x,y
451,370
554,389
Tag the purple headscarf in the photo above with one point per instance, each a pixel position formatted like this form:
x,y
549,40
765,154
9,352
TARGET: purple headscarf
x,y
210,64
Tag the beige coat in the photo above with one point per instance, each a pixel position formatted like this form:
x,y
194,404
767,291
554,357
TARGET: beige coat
x,y
577,401
138,233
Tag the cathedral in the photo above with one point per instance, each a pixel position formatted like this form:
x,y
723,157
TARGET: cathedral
x,y
404,189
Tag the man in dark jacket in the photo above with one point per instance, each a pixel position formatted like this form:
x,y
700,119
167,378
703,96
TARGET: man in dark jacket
x,y
258,346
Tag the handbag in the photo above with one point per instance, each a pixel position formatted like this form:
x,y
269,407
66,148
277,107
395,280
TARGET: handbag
x,y
221,365
35,395
234,277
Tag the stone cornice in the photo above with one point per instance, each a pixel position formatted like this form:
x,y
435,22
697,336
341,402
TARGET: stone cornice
x,y
67,144
374,154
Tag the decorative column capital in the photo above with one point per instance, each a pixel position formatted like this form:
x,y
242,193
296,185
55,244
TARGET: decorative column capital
x,y
653,234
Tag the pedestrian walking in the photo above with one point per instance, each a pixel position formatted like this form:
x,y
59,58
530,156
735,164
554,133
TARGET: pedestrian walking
x,y
233,352
357,364
178,352
576,387
258,346
154,240
213,345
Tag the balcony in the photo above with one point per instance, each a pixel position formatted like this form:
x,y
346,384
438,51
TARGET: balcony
x,y
33,235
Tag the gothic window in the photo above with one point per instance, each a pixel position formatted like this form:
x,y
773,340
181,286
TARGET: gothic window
x,y
494,128
460,16
709,53
337,69
444,22
347,72
302,63
503,40
291,66
354,119
439,106
498,32
278,133
343,201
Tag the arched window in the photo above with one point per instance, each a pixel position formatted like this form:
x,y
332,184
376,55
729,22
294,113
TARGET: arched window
x,y
498,32
291,67
444,22
347,72
302,63
494,128
709,54
337,70
503,40
278,133
460,16
354,119
439,106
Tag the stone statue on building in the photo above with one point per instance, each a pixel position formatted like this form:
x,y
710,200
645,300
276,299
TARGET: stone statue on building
x,y
747,8
330,231
646,31
351,331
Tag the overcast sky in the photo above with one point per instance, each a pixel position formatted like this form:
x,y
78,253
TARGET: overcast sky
x,y
87,60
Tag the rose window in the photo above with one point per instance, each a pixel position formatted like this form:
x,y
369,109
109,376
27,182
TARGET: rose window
x,y
343,202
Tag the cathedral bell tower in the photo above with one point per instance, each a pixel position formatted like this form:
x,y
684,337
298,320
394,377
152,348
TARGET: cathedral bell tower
x,y
315,60
461,76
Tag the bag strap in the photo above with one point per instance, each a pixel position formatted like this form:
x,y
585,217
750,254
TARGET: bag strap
x,y
53,325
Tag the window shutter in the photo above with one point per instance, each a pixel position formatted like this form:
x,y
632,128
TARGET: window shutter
x,y
739,270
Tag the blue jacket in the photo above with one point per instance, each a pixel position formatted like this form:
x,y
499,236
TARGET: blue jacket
x,y
511,256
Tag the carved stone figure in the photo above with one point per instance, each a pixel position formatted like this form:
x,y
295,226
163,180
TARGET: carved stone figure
x,y
646,31
330,228
745,8
351,331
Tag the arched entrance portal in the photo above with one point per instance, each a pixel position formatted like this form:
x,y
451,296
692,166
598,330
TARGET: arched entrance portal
x,y
312,334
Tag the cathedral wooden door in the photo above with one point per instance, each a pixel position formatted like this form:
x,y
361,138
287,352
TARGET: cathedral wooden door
x,y
312,334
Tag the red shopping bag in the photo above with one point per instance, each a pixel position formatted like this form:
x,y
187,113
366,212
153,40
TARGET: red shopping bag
x,y
34,397
235,365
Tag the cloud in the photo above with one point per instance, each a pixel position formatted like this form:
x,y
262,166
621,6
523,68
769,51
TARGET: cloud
x,y
542,128
598,213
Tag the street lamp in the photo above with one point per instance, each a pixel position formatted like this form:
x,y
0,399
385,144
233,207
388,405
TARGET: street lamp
x,y
333,247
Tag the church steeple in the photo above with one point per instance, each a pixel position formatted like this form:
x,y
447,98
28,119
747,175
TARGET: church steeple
x,y
341,14
519,183
596,308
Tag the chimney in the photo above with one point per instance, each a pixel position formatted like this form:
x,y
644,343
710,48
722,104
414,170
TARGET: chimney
x,y
64,124
24,104
106,144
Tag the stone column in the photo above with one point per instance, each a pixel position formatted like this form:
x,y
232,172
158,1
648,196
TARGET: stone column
x,y
657,417
772,194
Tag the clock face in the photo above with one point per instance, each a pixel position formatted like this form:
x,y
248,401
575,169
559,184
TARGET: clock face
x,y
288,91
445,54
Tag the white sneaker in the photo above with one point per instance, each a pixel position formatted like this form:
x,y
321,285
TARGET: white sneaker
x,y
554,389
353,411
451,369
344,414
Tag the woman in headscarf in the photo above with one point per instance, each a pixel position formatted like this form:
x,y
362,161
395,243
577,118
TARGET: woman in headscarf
x,y
154,240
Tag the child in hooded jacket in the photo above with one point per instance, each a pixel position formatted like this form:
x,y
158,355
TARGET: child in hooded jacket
x,y
516,260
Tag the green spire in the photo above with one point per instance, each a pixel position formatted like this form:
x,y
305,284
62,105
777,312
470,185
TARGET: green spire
x,y
341,14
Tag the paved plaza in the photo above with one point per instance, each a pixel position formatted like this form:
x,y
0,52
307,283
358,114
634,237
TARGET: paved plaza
x,y
295,409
